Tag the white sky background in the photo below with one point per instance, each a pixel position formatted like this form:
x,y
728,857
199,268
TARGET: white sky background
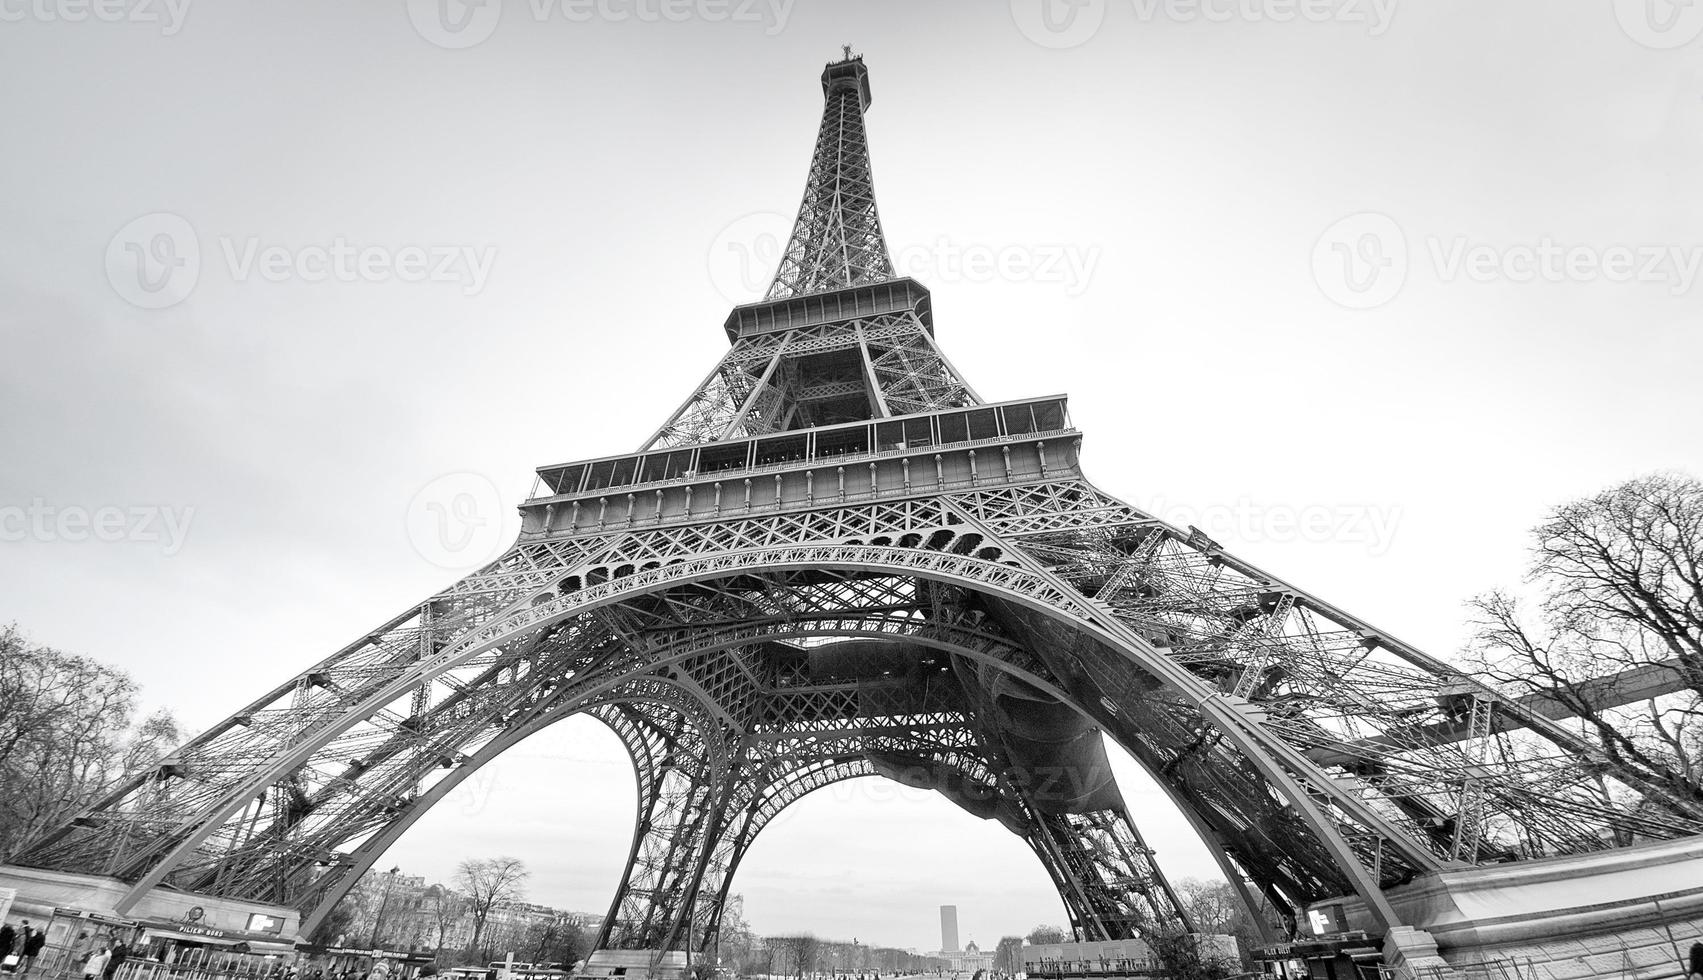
x,y
612,166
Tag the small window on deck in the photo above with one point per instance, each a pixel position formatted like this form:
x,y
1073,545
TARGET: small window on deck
x,y
919,432
666,466
1019,419
954,428
781,449
716,459
849,441
984,423
889,435
1049,416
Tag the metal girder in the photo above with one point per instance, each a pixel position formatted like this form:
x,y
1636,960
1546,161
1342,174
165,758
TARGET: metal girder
x,y
837,239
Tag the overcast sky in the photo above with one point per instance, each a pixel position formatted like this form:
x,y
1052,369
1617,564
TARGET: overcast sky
x,y
1360,288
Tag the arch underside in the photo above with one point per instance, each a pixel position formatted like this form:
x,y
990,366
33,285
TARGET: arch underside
x,y
978,643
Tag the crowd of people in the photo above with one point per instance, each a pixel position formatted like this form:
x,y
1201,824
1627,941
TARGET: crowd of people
x,y
20,947
91,957
386,971
100,957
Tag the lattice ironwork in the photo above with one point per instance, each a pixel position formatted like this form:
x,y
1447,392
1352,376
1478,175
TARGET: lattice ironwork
x,y
886,577
837,239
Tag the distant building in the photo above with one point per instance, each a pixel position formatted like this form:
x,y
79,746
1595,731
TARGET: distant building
x,y
966,960
948,929
969,959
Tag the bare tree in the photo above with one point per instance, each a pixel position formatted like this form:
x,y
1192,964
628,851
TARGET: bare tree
x,y
1619,578
1043,934
153,740
486,882
65,735
1008,955
1217,910
796,954
1212,905
334,928
556,941
733,938
445,907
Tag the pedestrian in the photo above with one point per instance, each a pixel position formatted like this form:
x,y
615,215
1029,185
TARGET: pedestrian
x,y
1694,969
8,946
115,959
32,943
95,966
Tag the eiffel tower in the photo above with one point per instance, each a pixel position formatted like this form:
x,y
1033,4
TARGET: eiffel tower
x,y
836,560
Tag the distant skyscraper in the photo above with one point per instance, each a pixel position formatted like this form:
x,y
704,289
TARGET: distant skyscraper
x,y
949,928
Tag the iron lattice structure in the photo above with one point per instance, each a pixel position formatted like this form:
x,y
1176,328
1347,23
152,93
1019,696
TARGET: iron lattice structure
x,y
835,560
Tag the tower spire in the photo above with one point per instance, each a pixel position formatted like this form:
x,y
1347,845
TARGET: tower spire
x,y
837,240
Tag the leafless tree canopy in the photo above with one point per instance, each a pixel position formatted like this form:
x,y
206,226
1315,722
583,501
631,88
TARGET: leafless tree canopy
x,y
1217,910
487,881
445,908
66,735
1619,578
1008,955
1048,934
734,943
795,954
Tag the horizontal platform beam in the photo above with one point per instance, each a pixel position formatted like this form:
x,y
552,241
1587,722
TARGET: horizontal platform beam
x,y
1616,690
